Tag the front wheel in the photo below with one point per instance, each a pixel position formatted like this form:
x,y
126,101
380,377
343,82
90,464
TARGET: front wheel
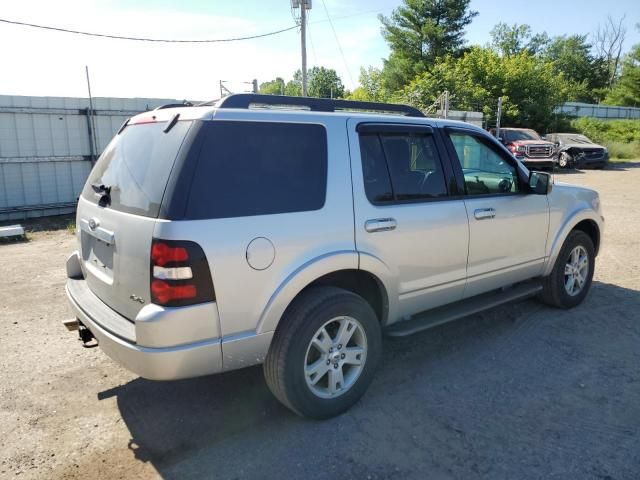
x,y
324,352
565,160
570,279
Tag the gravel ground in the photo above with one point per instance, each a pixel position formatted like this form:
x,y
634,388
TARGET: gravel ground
x,y
522,391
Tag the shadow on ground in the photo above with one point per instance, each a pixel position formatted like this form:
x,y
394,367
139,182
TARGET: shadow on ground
x,y
613,166
520,391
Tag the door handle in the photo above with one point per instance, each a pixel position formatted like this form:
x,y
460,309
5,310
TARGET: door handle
x,y
380,225
484,213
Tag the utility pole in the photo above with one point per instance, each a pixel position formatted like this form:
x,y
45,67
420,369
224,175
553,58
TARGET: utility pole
x,y
91,121
446,104
303,5
499,114
303,44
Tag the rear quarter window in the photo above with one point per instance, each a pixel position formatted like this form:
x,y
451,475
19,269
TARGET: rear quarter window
x,y
258,168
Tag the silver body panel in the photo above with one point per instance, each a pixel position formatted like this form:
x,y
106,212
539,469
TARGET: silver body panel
x,y
426,249
508,247
424,255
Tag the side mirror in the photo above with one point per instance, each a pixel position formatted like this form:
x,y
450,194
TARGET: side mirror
x,y
543,137
500,139
540,182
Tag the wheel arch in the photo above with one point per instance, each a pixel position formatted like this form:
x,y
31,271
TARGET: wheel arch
x,y
583,220
340,269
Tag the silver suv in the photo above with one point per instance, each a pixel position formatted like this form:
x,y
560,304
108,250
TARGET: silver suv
x,y
293,232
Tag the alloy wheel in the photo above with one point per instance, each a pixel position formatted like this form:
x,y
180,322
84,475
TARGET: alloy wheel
x,y
335,357
576,271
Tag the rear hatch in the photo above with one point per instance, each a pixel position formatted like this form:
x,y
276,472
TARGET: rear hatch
x,y
118,208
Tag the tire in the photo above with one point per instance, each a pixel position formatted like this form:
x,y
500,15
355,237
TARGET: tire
x,y
565,160
557,285
287,362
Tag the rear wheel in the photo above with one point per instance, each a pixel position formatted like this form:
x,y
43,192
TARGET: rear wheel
x,y
324,353
571,277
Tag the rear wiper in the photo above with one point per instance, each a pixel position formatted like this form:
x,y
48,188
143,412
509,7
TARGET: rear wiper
x,y
105,193
100,188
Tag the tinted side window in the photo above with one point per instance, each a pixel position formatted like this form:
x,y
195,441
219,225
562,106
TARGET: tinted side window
x,y
486,171
259,168
414,166
377,184
401,167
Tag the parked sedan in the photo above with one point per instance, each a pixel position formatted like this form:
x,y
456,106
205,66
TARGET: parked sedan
x,y
578,151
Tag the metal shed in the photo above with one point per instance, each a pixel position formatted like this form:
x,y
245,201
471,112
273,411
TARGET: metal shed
x,y
46,148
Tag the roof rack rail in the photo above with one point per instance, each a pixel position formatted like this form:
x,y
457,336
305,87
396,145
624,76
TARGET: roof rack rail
x,y
174,105
246,100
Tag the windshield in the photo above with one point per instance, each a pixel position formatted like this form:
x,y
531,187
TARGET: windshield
x,y
515,135
134,168
573,138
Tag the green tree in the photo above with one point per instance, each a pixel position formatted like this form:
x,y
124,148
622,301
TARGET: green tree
x,y
530,87
322,83
293,87
571,56
626,91
273,87
420,31
325,83
510,40
371,88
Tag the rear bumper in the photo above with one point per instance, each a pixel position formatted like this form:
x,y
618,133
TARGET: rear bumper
x,y
167,363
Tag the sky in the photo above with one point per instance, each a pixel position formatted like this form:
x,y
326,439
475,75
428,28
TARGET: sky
x,y
36,62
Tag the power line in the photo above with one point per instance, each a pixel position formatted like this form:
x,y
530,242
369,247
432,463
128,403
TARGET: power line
x,y
357,14
140,39
338,42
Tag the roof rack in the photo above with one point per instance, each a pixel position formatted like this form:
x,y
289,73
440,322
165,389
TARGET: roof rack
x,y
185,103
246,100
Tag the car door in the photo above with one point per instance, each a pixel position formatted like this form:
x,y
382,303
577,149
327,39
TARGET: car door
x,y
406,214
507,223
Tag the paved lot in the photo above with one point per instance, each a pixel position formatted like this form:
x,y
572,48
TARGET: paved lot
x,y
522,391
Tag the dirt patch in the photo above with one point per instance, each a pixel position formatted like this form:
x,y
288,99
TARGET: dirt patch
x,y
522,391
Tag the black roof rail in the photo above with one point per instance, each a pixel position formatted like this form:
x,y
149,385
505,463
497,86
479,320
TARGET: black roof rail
x,y
174,105
245,100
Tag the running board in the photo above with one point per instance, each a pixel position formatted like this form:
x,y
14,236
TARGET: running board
x,y
454,311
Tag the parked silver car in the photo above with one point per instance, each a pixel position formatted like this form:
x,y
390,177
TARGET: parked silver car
x,y
253,231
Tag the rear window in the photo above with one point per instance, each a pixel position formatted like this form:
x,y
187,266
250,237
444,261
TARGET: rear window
x,y
259,168
136,166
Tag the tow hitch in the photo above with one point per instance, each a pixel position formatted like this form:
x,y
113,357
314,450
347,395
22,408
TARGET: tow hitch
x,y
88,340
85,335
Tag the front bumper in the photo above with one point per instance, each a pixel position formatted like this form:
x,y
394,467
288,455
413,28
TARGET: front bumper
x,y
590,161
116,337
545,163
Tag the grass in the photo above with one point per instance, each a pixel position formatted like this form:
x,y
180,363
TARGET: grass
x,y
45,224
624,151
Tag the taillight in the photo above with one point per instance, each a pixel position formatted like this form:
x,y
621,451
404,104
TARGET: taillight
x,y
179,274
162,253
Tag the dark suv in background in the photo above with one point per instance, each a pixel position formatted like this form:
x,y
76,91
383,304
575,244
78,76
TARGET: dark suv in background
x,y
528,147
578,151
